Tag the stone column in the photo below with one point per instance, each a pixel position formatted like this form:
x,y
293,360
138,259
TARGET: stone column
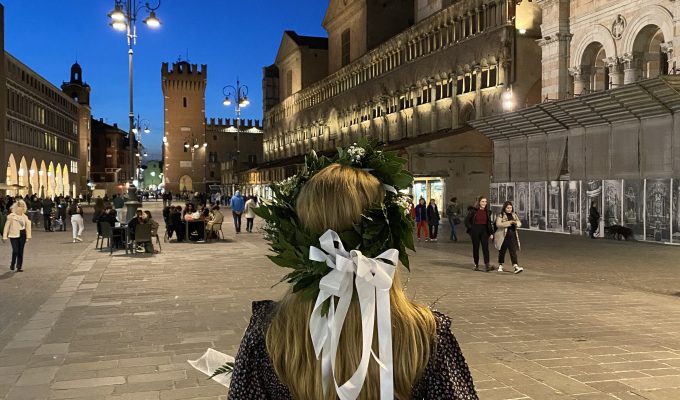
x,y
615,72
581,76
454,110
479,110
433,103
632,68
414,114
667,48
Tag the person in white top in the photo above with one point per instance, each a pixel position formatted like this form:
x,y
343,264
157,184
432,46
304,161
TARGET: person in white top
x,y
76,213
18,230
251,204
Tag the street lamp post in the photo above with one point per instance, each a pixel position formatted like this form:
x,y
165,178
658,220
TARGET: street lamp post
x,y
240,95
140,125
193,145
124,18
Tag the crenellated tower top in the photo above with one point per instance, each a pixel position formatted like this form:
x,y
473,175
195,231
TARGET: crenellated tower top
x,y
218,124
184,76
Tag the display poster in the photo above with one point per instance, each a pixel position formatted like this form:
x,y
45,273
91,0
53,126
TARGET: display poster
x,y
571,207
521,202
591,191
658,209
537,207
632,207
613,194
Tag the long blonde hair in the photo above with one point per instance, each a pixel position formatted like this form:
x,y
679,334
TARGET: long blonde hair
x,y
334,199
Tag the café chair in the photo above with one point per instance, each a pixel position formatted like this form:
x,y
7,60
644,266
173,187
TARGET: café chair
x,y
142,235
106,233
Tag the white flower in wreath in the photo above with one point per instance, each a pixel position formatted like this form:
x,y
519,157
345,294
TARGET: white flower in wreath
x,y
402,202
356,153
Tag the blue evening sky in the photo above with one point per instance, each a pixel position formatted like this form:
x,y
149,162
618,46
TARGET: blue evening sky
x,y
235,38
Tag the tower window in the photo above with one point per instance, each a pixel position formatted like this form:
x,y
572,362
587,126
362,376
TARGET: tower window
x,y
289,83
184,101
345,40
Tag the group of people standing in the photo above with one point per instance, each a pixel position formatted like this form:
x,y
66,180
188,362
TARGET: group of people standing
x,y
482,227
480,223
427,219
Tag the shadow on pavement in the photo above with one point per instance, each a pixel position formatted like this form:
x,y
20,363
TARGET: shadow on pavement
x,y
6,275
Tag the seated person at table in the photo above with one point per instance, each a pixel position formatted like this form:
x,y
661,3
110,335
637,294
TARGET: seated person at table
x,y
188,209
145,218
195,224
205,212
175,223
109,216
216,217
133,223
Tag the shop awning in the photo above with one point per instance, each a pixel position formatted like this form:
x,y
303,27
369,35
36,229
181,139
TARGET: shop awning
x,y
635,101
624,133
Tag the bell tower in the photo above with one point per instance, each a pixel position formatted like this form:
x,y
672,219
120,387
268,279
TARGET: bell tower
x,y
80,92
184,153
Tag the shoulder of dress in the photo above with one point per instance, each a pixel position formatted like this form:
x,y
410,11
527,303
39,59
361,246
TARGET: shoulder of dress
x,y
443,322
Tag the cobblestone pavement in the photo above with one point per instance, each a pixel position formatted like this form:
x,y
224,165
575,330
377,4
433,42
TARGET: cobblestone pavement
x,y
587,320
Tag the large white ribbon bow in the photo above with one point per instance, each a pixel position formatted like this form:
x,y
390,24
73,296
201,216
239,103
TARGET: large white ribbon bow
x,y
373,280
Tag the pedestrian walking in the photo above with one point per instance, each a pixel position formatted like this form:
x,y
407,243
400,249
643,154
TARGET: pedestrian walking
x,y
77,222
250,206
479,224
433,219
47,206
421,220
118,204
593,219
62,208
453,214
18,230
237,205
506,237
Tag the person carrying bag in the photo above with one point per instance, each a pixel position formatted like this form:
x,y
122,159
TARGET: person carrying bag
x,y
506,237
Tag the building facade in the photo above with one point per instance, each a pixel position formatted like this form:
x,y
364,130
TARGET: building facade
x,y
43,129
194,150
609,131
110,149
42,134
415,85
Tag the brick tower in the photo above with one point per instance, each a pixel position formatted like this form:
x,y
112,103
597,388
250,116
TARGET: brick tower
x,y
184,154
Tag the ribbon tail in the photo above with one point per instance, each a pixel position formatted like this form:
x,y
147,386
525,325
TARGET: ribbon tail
x,y
350,390
385,345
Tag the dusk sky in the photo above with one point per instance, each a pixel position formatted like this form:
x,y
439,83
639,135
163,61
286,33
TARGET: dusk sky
x,y
234,38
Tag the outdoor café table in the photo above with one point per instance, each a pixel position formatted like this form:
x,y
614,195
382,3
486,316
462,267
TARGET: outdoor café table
x,y
194,223
121,231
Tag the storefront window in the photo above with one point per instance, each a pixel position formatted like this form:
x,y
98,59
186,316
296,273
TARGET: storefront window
x,y
429,188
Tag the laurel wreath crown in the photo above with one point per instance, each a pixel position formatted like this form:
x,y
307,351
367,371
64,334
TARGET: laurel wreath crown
x,y
384,225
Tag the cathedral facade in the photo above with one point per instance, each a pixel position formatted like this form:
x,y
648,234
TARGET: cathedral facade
x,y
608,130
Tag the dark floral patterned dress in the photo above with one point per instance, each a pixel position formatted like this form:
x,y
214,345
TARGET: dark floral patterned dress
x,y
446,376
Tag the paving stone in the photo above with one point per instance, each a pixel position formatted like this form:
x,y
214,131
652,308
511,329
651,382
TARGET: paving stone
x,y
82,393
37,376
90,382
53,348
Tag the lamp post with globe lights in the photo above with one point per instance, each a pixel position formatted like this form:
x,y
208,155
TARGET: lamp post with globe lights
x,y
141,125
193,144
124,18
240,95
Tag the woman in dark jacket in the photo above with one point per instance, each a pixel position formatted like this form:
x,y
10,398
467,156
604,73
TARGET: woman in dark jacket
x,y
479,224
433,219
421,219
